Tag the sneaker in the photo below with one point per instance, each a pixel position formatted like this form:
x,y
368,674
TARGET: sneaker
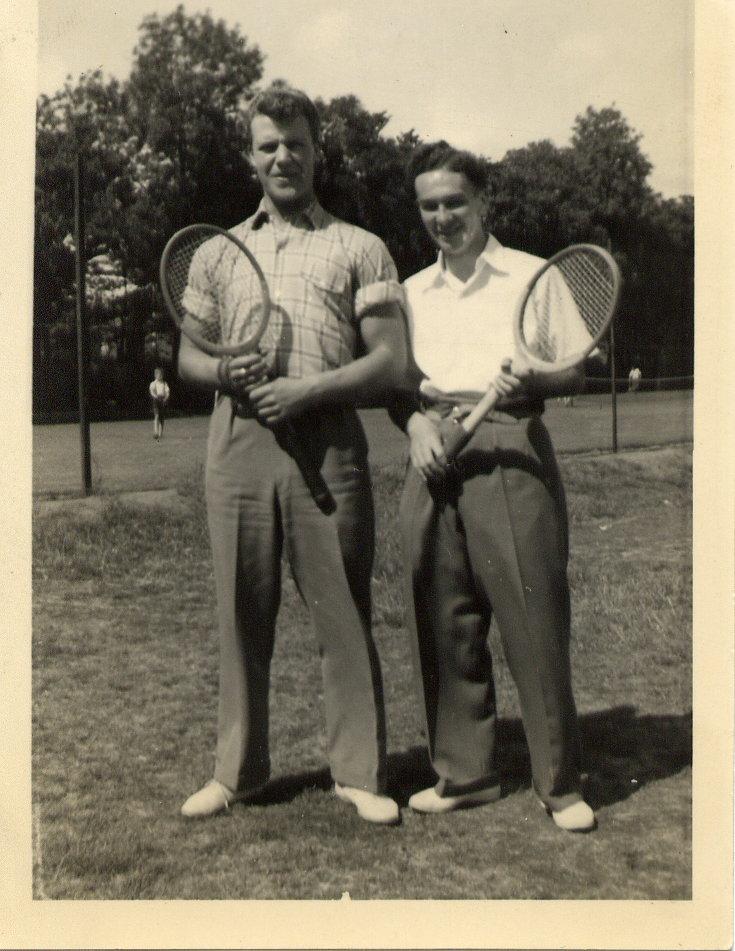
x,y
578,817
211,799
370,806
429,800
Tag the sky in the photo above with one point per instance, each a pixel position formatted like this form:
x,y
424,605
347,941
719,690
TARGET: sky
x,y
487,75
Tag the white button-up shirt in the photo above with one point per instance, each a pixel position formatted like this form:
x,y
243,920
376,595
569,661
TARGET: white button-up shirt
x,y
461,332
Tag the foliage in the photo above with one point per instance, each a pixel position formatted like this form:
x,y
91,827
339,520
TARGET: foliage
x,y
167,147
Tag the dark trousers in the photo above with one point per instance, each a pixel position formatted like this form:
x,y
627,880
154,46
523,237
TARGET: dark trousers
x,y
493,540
259,510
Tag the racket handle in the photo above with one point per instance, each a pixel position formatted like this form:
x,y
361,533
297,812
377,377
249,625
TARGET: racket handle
x,y
460,434
312,476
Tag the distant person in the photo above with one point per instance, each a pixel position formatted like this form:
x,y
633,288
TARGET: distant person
x,y
485,536
634,379
160,394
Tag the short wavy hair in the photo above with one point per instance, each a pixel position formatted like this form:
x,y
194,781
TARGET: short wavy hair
x,y
282,104
432,156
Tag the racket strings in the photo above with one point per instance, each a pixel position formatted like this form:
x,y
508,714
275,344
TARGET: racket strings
x,y
589,278
178,268
579,286
241,307
536,327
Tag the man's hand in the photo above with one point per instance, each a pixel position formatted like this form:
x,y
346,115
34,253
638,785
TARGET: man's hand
x,y
515,378
280,399
426,450
245,372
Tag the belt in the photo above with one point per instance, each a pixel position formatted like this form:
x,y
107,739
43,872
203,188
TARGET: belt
x,y
511,412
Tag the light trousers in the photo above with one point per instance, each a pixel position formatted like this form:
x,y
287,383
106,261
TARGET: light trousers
x,y
260,510
493,540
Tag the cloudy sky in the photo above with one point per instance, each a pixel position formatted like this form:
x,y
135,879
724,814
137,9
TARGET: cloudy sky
x,y
488,75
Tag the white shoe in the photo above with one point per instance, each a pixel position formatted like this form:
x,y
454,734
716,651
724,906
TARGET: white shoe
x,y
578,817
429,800
211,799
370,806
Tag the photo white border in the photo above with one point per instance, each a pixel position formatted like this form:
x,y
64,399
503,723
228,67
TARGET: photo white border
x,y
704,922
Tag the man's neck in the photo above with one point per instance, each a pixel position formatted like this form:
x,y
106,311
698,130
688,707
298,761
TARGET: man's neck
x,y
283,213
463,266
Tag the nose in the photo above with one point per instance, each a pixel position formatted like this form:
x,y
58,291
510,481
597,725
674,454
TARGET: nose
x,y
282,154
443,215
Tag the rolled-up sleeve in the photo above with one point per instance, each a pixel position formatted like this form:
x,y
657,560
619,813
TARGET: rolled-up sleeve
x,y
377,281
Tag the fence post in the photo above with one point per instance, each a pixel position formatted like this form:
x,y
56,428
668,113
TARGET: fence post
x,y
82,334
613,392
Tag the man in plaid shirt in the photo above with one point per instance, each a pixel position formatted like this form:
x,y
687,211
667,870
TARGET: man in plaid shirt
x,y
335,294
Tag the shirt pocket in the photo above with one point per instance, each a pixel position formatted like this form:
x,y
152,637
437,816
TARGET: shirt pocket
x,y
329,310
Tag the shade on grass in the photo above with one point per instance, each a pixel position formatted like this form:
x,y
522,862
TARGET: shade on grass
x,y
125,692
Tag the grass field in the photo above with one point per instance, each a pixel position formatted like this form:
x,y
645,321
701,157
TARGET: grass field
x,y
125,684
125,457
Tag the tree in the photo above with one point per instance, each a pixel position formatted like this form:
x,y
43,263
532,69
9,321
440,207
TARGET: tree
x,y
611,171
161,150
533,202
660,292
191,79
362,179
88,115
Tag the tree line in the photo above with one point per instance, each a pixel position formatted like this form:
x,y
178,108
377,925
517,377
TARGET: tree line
x,y
165,148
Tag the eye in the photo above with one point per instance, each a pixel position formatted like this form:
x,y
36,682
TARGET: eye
x,y
294,145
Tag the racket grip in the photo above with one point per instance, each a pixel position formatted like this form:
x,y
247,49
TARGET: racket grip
x,y
458,437
312,476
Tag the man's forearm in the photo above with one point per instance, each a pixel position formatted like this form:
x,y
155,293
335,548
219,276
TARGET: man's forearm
x,y
197,367
371,377
364,380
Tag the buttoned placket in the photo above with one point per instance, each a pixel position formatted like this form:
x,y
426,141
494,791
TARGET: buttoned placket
x,y
462,289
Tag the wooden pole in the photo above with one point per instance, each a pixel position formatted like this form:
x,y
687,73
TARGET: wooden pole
x,y
82,330
613,391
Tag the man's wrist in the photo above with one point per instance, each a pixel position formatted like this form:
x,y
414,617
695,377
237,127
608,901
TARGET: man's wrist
x,y
416,421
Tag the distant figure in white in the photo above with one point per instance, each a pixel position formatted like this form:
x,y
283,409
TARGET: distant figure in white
x,y
634,379
160,394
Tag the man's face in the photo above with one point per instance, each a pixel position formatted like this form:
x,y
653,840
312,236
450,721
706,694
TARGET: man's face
x,y
452,211
283,156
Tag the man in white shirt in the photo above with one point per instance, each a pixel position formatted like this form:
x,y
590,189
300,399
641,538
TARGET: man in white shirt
x,y
487,535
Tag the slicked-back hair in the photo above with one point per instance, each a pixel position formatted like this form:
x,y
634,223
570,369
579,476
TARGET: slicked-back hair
x,y
282,104
432,156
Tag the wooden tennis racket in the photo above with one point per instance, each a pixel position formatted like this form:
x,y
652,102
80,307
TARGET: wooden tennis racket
x,y
244,302
564,312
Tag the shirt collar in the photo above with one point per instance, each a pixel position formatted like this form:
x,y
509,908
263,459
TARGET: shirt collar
x,y
491,255
313,216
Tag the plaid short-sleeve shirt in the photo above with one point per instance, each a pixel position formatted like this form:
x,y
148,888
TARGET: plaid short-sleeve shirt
x,y
323,276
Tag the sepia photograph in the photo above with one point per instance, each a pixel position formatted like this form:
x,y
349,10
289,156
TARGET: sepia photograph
x,y
361,403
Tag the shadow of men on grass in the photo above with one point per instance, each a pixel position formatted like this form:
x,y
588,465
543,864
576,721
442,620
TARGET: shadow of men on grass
x,y
620,753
